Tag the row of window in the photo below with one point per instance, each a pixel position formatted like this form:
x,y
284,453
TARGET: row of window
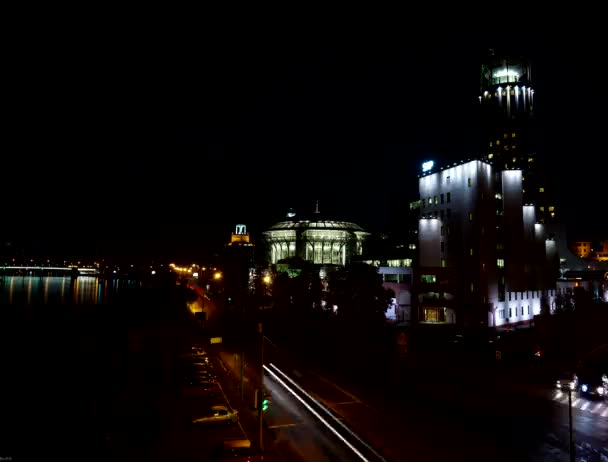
x,y
437,199
519,311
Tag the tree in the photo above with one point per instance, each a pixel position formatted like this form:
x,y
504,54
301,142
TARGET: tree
x,y
362,301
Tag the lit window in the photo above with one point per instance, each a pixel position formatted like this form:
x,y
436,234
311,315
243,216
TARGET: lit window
x,y
436,201
443,263
513,146
551,208
497,142
500,263
505,136
513,135
470,216
552,214
428,278
514,158
472,287
490,156
471,251
490,144
541,189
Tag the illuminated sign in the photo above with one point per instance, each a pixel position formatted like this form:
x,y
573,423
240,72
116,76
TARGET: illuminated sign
x,y
427,166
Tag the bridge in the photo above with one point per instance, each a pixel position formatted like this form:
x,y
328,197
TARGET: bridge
x,y
69,269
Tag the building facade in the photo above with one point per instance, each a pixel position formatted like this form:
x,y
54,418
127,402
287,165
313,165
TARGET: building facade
x,y
484,258
316,240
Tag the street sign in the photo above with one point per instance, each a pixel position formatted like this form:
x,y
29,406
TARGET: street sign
x,y
216,340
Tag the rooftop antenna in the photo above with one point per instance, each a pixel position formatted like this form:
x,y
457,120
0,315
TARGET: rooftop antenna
x,y
317,207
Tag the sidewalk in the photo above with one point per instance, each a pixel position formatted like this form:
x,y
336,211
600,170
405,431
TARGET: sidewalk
x,y
247,412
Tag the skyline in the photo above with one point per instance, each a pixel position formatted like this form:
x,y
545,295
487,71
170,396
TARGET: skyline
x,y
134,142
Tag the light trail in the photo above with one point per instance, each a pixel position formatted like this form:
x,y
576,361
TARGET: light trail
x,y
327,411
316,414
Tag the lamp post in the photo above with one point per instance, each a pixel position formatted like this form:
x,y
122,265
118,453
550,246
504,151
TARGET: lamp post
x,y
261,386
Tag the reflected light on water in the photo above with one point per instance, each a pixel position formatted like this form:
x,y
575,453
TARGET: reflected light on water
x,y
57,290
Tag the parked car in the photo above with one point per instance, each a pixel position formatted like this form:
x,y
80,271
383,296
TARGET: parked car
x,y
237,450
218,414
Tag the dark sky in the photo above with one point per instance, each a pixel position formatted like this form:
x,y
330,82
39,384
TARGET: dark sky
x,y
175,134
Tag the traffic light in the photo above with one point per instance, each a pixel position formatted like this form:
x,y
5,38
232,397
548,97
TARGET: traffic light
x,y
265,402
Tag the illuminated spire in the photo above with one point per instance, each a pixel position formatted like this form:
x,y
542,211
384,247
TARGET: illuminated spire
x,y
317,207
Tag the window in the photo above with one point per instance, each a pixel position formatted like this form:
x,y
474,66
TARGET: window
x,y
428,278
471,251
510,312
497,142
447,180
469,182
541,189
505,136
442,246
448,213
513,135
551,208
442,197
423,203
472,287
443,230
436,200
449,197
441,212
470,216
529,311
443,263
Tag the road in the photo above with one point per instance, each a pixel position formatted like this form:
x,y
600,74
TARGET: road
x,y
426,418
302,430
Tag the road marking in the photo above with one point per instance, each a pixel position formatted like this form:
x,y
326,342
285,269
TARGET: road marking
x,y
284,425
324,409
316,414
597,408
346,392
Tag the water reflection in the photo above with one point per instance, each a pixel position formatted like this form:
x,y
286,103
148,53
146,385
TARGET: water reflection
x,y
34,290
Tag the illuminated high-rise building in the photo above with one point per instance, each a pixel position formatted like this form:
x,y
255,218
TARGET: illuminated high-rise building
x,y
487,256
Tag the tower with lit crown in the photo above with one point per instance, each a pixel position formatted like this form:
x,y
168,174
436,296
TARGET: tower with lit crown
x,y
509,132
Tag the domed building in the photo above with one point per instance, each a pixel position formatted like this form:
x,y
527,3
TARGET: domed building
x,y
314,239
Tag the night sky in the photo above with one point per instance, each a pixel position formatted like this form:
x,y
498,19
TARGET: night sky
x,y
152,137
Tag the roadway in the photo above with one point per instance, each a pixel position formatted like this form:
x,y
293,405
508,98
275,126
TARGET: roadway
x,y
427,418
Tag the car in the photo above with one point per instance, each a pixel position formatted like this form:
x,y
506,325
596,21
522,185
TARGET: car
x,y
237,450
592,373
567,380
592,382
218,414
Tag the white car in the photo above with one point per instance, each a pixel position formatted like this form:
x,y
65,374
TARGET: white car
x,y
219,413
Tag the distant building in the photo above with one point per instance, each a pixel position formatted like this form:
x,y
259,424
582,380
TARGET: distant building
x,y
314,239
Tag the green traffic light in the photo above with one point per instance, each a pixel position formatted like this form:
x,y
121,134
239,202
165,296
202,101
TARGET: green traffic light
x,y
265,405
